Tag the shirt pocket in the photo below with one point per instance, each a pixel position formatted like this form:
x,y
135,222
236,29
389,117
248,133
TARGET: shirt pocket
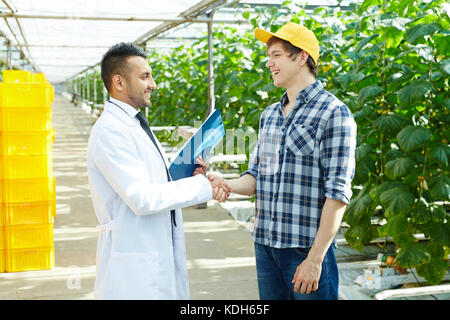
x,y
301,140
134,275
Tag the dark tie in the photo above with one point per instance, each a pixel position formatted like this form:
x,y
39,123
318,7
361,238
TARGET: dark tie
x,y
144,125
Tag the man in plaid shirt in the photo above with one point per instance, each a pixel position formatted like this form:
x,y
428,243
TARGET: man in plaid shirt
x,y
300,172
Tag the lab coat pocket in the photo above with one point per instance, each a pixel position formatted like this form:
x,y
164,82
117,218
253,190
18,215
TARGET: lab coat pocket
x,y
301,140
134,275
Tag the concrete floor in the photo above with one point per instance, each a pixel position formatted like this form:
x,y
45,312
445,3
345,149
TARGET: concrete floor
x,y
220,252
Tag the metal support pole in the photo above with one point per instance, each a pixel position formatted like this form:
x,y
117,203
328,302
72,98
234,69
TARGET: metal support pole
x,y
95,89
86,77
8,54
211,98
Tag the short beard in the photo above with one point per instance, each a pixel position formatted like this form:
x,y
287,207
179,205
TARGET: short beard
x,y
140,104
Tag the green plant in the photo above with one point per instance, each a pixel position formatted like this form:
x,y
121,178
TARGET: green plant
x,y
389,62
242,85
393,72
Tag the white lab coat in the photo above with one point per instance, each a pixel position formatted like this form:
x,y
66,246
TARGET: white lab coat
x,y
140,253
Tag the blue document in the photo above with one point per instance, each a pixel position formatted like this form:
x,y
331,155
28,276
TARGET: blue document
x,y
201,143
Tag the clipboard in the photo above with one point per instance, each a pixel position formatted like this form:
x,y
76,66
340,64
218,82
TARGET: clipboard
x,y
202,142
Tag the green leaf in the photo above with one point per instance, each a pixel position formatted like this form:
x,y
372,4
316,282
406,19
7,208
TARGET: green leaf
x,y
393,154
396,225
421,214
403,6
399,167
411,179
385,186
360,234
445,65
418,88
390,124
357,209
417,32
442,44
438,213
369,92
390,19
413,255
368,3
412,137
440,153
362,151
365,41
393,37
396,201
246,15
350,78
363,169
440,233
433,271
441,188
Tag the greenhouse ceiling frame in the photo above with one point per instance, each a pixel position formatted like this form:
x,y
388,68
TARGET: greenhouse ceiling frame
x,y
28,58
201,12
205,7
194,14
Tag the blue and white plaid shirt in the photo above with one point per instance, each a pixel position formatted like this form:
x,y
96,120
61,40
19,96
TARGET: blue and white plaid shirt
x,y
299,161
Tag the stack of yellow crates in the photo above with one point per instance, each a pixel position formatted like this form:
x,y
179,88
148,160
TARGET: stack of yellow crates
x,y
27,185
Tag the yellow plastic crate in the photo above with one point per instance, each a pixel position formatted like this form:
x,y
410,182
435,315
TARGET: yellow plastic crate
x,y
25,143
27,190
52,93
26,119
38,77
2,238
2,261
2,248
17,76
29,166
27,213
25,94
29,259
28,236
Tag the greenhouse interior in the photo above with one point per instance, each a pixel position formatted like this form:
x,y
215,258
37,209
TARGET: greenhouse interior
x,y
387,61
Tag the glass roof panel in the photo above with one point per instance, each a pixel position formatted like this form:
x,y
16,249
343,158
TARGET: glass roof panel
x,y
61,47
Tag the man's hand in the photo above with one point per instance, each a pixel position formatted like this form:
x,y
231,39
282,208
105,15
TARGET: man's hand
x,y
306,277
217,179
202,167
308,272
221,189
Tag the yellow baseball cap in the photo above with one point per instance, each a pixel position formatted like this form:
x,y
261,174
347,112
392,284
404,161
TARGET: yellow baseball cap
x,y
297,35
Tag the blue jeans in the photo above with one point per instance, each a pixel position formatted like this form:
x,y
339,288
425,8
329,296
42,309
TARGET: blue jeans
x,y
276,268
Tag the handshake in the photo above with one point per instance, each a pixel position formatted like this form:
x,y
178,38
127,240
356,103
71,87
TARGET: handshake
x,y
221,189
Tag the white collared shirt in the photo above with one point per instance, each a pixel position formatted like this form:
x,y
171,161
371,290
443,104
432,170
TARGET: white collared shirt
x,y
140,254
130,110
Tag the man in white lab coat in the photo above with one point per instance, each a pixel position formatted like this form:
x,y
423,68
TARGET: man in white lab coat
x,y
141,251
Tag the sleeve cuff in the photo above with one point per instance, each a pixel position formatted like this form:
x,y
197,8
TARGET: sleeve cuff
x,y
250,172
339,196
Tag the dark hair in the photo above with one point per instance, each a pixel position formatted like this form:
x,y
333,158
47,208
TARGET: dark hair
x,y
294,51
114,60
